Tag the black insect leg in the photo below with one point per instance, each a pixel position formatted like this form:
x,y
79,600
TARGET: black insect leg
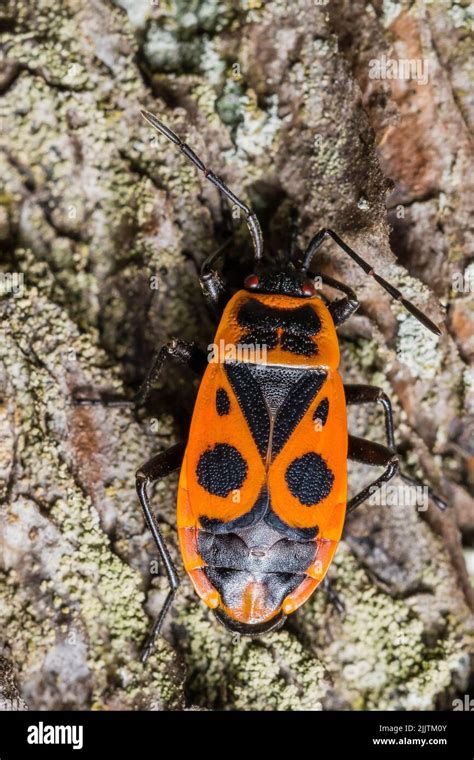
x,y
184,353
371,453
416,483
343,308
368,394
213,286
332,596
156,469
316,242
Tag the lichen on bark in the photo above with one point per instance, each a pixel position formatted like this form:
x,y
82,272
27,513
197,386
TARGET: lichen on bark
x,y
108,228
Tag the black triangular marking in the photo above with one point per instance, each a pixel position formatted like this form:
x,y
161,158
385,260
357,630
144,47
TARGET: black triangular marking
x,y
252,403
294,407
275,382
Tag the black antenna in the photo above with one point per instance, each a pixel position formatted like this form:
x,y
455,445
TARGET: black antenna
x,y
316,242
251,219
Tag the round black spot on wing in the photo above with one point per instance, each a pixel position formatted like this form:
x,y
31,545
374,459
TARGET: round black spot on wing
x,y
221,469
322,411
222,402
309,479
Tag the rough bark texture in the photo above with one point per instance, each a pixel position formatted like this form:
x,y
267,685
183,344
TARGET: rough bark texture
x,y
277,98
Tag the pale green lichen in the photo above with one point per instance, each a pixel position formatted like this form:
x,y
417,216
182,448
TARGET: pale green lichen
x,y
418,350
258,129
138,11
379,650
391,11
462,15
178,40
213,66
85,583
229,104
238,673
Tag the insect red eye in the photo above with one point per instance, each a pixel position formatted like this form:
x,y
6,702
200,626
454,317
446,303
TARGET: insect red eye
x,y
251,281
308,289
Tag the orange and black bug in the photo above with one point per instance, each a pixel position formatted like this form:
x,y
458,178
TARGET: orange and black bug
x,y
262,494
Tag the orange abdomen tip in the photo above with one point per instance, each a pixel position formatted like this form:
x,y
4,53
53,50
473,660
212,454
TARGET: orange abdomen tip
x,y
211,599
299,596
288,606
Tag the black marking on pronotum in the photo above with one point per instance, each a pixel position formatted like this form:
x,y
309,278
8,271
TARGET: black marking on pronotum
x,y
262,322
251,402
298,344
303,319
294,407
222,402
221,469
309,479
322,411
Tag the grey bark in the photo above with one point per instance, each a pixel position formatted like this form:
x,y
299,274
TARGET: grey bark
x,y
108,229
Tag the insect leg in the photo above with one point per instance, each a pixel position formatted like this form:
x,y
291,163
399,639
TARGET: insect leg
x,y
251,219
294,251
212,284
367,394
343,308
185,353
212,258
332,596
316,243
158,467
372,453
215,292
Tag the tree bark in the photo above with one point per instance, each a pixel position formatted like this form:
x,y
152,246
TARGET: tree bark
x,y
103,228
